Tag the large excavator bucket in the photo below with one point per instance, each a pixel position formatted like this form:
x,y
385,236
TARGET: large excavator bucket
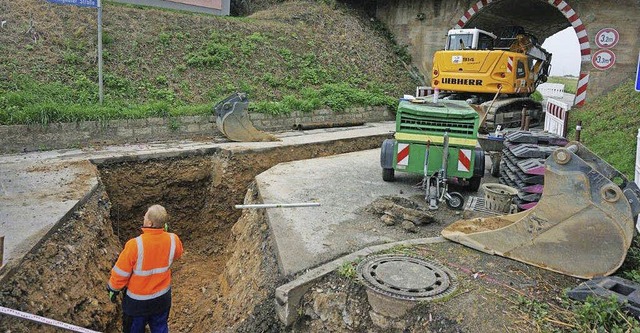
x,y
582,226
233,120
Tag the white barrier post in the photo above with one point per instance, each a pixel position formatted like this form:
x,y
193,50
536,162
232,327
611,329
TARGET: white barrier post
x,y
556,117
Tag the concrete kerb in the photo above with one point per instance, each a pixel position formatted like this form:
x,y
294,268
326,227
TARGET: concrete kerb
x,y
155,156
288,296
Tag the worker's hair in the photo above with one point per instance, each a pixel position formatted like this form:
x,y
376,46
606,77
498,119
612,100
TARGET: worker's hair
x,y
158,216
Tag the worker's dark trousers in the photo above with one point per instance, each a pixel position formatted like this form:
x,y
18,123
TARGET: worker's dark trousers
x,y
157,323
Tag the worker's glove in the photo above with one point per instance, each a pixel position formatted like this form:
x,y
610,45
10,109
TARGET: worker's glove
x,y
112,294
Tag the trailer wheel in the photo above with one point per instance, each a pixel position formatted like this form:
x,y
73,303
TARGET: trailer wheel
x,y
474,183
388,175
456,201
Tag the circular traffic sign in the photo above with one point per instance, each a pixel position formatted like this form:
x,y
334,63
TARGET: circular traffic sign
x,y
603,59
607,38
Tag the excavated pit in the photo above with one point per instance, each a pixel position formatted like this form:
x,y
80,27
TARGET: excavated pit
x,y
226,278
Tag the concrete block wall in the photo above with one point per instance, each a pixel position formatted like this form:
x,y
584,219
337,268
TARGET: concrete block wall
x,y
24,138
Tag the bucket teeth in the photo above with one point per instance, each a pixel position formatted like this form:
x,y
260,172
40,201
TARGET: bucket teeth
x,y
233,120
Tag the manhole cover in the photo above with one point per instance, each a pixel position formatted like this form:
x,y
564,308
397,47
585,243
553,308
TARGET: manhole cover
x,y
405,277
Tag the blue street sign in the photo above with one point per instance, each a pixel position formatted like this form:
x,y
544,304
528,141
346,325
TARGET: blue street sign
x,y
80,3
638,75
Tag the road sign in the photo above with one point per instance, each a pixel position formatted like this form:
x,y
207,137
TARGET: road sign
x,y
638,78
603,59
607,38
80,3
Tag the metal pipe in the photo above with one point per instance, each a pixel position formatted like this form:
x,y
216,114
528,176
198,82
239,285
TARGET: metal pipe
x,y
578,130
290,205
445,153
523,119
100,83
327,124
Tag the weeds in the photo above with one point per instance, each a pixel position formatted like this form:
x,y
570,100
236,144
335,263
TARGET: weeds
x,y
630,269
593,315
348,270
604,315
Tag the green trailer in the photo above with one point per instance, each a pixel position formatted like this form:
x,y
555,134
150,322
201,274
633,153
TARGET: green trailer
x,y
420,124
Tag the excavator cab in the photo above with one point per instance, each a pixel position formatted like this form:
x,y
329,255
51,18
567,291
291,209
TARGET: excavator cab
x,y
469,39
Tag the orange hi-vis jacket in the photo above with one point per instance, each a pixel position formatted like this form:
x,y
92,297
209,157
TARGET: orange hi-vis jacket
x,y
144,264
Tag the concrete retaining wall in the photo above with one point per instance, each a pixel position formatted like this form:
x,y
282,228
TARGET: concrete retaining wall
x,y
22,138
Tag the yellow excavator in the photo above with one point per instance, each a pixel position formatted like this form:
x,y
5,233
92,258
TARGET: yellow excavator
x,y
494,74
584,222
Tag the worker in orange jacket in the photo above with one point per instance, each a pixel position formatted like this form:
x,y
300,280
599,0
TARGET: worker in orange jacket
x,y
143,270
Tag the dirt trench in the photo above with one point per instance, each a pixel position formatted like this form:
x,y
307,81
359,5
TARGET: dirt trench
x,y
226,278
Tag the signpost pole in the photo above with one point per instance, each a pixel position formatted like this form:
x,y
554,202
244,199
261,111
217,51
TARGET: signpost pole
x,y
638,75
100,85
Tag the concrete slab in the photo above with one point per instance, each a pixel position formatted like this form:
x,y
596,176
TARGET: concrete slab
x,y
34,196
39,189
343,185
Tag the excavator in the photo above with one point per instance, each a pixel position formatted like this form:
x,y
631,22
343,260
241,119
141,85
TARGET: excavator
x,y
496,75
583,224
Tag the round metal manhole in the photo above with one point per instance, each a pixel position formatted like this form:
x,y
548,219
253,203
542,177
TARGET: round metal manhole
x,y
405,277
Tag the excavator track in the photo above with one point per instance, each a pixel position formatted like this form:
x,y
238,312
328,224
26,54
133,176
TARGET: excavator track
x,y
508,113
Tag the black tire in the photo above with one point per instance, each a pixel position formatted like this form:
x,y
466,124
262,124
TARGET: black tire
x,y
456,202
474,184
388,175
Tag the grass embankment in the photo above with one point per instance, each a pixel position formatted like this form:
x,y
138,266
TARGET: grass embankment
x,y
294,56
570,83
610,126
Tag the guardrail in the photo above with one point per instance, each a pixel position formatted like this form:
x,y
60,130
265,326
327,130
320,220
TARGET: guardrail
x,y
551,89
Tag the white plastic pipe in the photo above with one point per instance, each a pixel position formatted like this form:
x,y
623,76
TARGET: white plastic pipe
x,y
290,205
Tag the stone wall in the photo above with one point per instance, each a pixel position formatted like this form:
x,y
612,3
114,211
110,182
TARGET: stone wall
x,y
23,138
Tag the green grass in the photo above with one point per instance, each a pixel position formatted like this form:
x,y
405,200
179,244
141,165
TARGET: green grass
x,y
566,315
610,126
176,63
570,82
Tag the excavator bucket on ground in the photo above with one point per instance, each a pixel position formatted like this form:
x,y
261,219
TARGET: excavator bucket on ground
x,y
233,120
582,226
